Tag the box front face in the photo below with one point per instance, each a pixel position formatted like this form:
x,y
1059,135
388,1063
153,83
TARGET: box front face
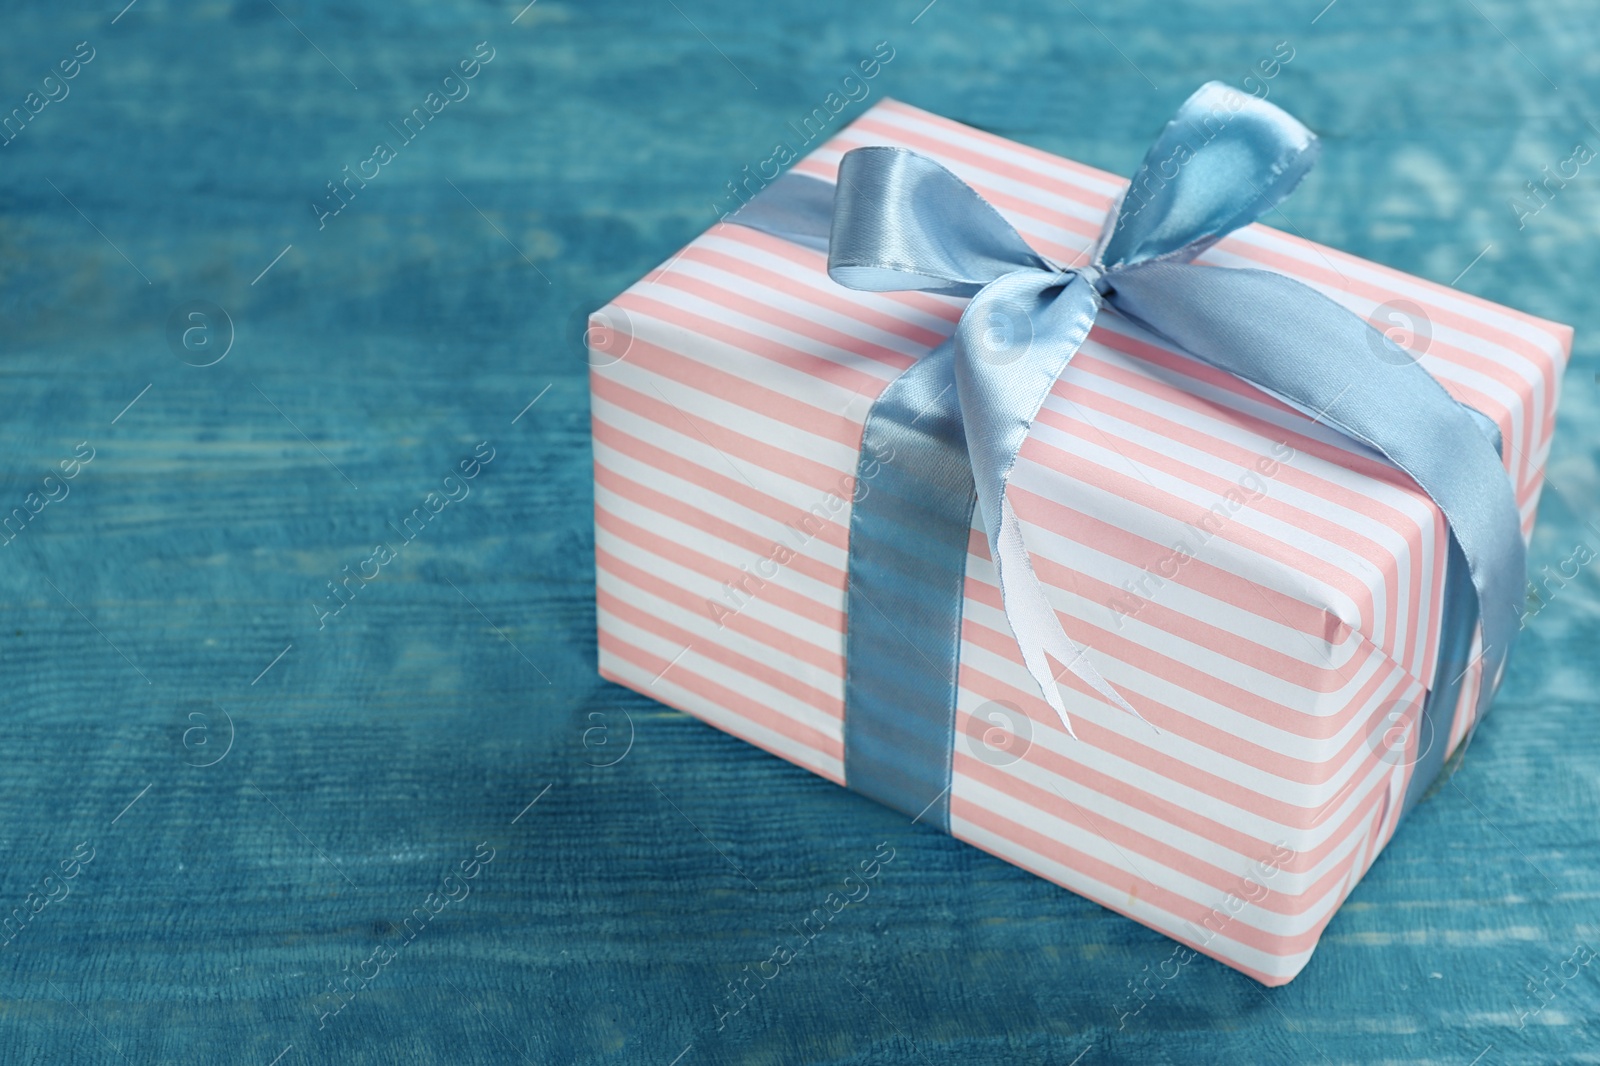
x,y
1265,592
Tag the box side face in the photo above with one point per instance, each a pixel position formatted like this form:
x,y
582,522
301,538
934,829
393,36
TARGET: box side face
x,y
1266,592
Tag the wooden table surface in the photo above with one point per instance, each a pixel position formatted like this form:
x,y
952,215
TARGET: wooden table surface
x,y
242,797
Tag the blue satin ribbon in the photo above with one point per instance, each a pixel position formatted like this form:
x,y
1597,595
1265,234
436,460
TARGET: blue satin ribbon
x,y
955,420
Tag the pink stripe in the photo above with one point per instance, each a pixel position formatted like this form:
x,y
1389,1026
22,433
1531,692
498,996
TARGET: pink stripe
x,y
1177,815
1172,769
1328,452
765,312
1287,473
1530,352
831,706
836,374
1485,328
729,701
1316,622
677,510
1295,723
834,533
819,476
1188,628
1195,370
1146,495
724,574
1159,389
780,283
771,636
1128,839
741,392
1192,513
1303,444
1163,899
1494,407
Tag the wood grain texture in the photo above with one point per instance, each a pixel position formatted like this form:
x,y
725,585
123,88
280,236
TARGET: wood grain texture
x,y
459,685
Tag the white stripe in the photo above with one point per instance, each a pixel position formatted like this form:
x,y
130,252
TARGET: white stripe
x,y
770,530
765,574
781,703
1281,966
670,692
710,591
1140,868
1108,816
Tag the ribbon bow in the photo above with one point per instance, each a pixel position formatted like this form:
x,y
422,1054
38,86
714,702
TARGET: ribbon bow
x,y
901,221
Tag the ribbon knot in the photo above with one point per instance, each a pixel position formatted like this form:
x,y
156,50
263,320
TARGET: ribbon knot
x,y
1097,279
901,221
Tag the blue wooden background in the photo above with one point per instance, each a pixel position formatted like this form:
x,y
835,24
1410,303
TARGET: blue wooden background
x,y
266,802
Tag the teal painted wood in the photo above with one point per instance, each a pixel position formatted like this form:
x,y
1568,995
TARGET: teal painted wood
x,y
159,595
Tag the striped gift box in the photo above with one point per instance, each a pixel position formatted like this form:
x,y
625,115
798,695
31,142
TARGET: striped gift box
x,y
1265,591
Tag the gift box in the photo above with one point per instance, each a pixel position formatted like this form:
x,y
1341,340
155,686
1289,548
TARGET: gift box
x,y
1273,598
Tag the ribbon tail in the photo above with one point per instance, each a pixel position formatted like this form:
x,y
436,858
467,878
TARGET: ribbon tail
x,y
1330,363
1223,161
1013,342
1034,622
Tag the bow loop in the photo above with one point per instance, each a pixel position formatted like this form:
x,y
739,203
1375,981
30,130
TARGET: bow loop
x,y
1223,161
902,221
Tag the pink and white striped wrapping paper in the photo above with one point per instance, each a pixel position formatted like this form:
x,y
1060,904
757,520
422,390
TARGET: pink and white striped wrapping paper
x,y
1269,652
